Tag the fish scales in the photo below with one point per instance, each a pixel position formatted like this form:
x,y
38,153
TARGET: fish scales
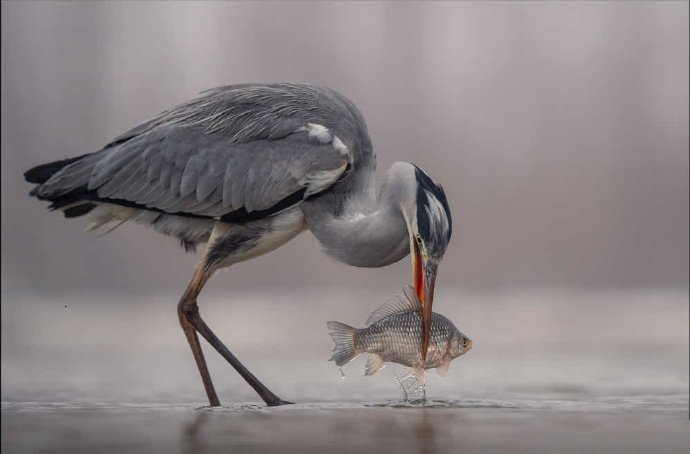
x,y
394,335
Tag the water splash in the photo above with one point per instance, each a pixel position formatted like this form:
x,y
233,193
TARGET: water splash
x,y
412,389
342,374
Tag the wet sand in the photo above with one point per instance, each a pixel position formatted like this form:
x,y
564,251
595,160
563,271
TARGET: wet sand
x,y
550,372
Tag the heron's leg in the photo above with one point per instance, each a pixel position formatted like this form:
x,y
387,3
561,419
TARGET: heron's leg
x,y
188,311
189,299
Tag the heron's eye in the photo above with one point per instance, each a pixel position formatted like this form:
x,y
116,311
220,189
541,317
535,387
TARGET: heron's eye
x,y
419,239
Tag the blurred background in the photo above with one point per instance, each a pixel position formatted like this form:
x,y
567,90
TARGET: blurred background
x,y
558,129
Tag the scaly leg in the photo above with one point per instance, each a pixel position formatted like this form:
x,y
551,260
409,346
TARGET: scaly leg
x,y
188,303
191,321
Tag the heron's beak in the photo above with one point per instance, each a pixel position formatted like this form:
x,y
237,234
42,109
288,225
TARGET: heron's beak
x,y
424,278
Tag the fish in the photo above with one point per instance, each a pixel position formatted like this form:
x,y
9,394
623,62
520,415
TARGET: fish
x,y
394,335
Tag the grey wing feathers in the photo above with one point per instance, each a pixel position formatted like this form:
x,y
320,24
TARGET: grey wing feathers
x,y
247,112
233,148
180,169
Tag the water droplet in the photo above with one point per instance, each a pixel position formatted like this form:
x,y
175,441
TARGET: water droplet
x,y
342,374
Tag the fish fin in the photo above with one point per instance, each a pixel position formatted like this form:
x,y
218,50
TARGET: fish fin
x,y
374,363
344,337
443,368
409,301
421,375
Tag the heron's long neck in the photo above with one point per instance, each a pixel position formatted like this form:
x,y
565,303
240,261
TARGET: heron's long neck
x,y
368,232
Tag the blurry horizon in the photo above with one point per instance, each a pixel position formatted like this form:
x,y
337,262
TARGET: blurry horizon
x,y
558,130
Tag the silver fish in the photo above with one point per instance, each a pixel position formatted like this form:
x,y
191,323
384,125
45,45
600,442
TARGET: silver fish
x,y
394,334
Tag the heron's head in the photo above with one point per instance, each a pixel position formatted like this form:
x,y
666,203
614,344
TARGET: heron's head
x,y
429,224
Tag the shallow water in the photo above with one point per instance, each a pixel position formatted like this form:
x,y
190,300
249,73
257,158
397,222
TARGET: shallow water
x,y
640,424
549,372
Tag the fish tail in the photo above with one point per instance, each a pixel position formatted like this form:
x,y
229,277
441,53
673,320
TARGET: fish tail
x,y
344,337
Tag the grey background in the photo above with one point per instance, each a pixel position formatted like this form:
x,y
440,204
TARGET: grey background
x,y
559,130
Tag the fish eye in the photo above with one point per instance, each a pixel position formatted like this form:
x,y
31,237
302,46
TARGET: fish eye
x,y
464,342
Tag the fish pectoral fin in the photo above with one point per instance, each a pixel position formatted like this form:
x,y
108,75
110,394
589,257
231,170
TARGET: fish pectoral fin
x,y
374,363
443,368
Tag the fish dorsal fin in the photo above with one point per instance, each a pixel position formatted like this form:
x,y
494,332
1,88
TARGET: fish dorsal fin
x,y
396,305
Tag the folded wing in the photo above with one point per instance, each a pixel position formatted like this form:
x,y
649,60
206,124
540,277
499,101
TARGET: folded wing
x,y
217,156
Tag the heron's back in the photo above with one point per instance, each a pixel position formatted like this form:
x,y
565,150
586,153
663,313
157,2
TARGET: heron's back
x,y
238,154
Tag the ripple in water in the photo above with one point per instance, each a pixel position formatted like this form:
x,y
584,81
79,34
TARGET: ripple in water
x,y
609,404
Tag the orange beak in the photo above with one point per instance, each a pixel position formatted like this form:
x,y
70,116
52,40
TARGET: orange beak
x,y
424,278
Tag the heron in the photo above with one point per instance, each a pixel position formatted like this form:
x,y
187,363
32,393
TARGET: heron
x,y
245,168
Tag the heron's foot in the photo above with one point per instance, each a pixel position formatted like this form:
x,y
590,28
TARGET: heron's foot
x,y
206,407
277,402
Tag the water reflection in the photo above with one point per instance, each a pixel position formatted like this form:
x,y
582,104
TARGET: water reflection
x,y
424,432
192,441
424,427
421,428
642,424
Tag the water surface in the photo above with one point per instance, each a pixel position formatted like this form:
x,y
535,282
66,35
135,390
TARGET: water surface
x,y
549,372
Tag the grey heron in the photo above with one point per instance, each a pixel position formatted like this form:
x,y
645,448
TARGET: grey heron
x,y
244,169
